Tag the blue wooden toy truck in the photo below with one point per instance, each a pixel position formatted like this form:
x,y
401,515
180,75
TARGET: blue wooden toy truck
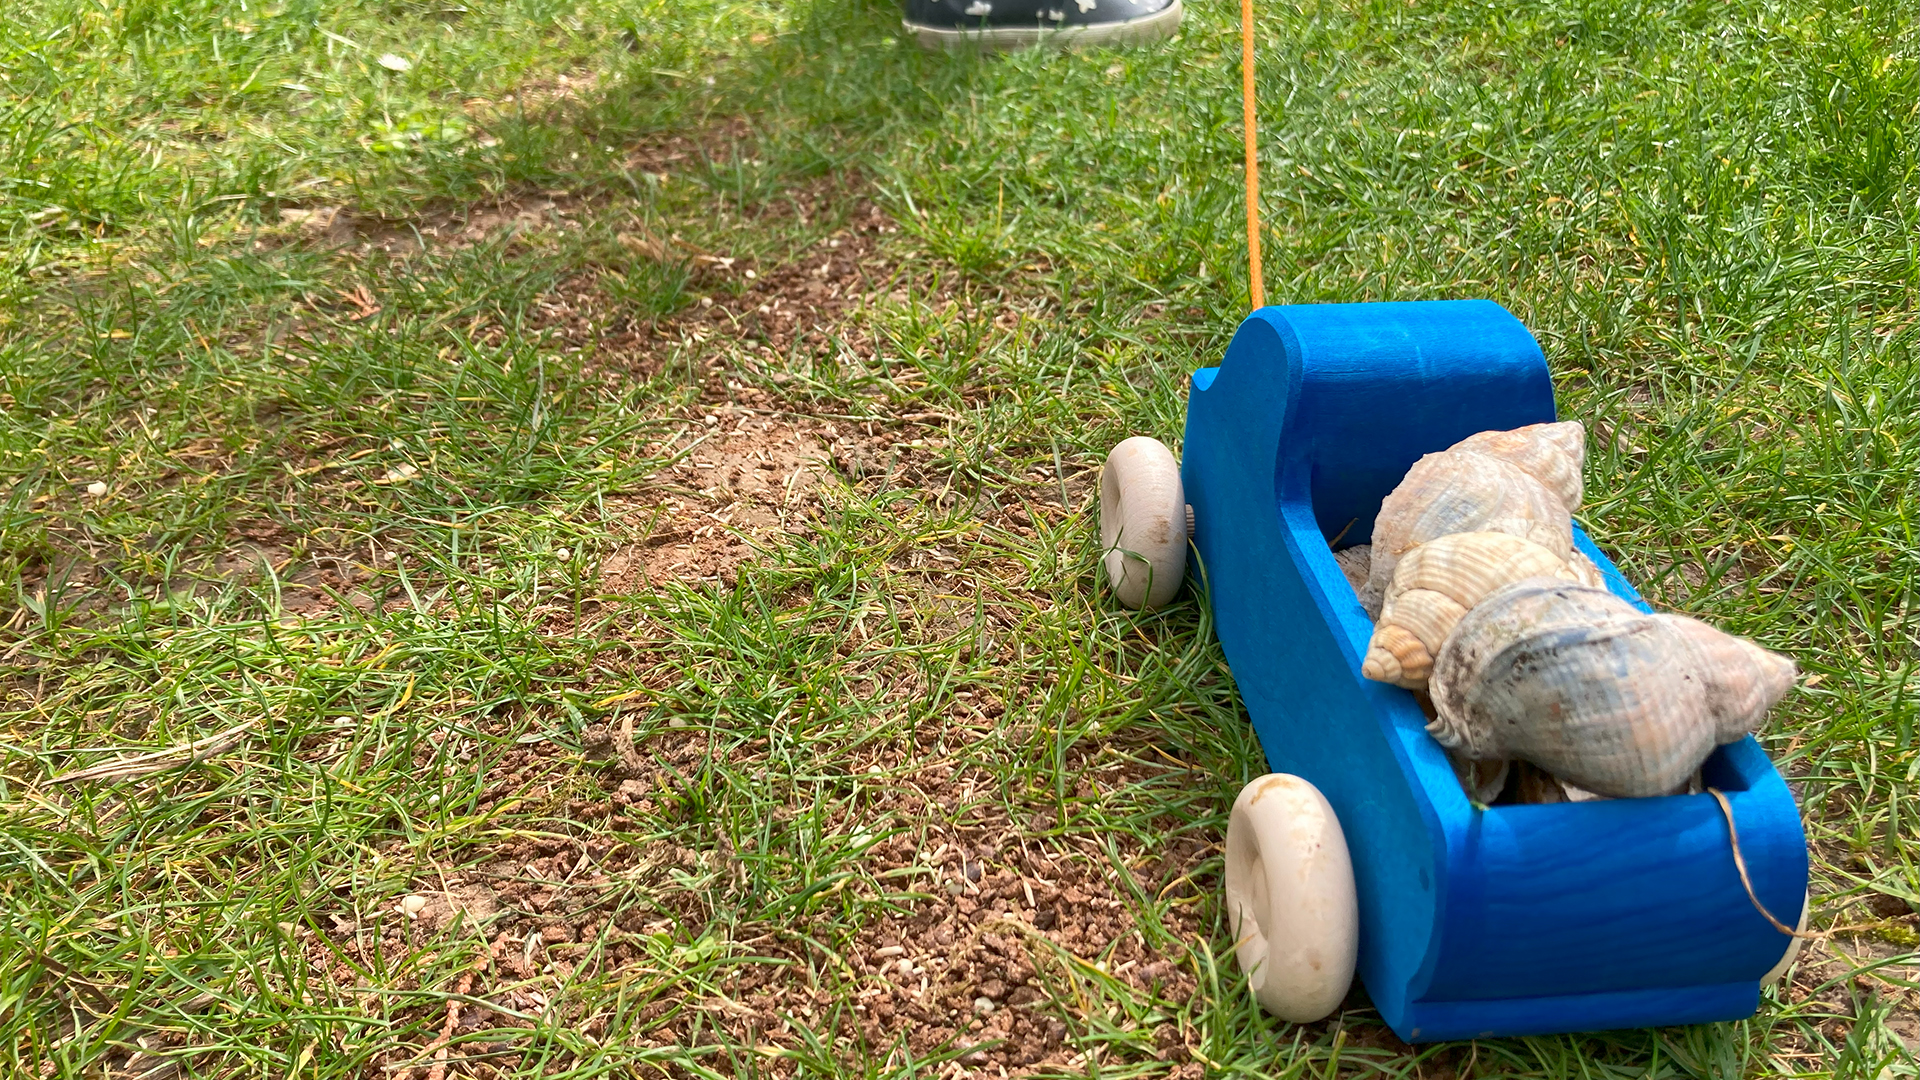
x,y
1470,921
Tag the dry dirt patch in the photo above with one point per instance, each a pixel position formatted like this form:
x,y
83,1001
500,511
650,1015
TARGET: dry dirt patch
x,y
743,310
343,227
744,479
749,476
990,933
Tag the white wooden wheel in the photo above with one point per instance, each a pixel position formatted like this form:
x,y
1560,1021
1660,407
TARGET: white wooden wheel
x,y
1143,523
1793,949
1290,898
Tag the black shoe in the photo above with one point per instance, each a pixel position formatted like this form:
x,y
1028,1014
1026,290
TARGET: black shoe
x,y
1015,24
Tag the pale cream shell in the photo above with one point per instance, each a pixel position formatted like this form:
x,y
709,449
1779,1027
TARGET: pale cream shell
x,y
1585,570
1554,454
1435,586
1515,482
1595,691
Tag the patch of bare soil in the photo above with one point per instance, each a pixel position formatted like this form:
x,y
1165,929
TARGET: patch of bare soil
x,y
450,228
753,472
804,302
988,968
988,933
749,474
749,311
343,227
743,479
307,585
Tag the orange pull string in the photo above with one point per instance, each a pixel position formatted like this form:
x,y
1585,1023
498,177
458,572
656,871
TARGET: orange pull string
x,y
1253,161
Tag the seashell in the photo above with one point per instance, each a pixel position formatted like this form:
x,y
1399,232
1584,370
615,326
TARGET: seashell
x,y
1585,570
1554,454
1483,781
1433,589
1600,694
1353,563
1525,482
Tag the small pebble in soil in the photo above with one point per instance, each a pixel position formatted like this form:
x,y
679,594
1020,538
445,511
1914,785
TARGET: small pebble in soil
x,y
97,488
983,1005
413,905
905,967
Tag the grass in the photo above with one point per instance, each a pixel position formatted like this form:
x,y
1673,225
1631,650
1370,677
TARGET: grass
x,y
362,499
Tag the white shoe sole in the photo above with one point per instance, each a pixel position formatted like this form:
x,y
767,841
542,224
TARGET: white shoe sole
x,y
1155,27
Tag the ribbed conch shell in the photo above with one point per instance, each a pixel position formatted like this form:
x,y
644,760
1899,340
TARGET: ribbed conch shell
x,y
1434,587
1525,482
1596,692
1554,454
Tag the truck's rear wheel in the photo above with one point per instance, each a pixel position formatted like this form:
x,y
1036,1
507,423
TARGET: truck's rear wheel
x,y
1143,523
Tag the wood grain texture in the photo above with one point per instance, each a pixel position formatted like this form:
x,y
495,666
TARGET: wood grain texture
x,y
1505,921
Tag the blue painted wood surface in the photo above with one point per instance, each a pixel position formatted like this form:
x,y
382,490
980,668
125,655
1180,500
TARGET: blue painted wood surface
x,y
1510,920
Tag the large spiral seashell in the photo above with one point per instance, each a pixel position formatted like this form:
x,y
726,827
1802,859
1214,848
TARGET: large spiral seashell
x,y
1554,454
1596,692
1525,482
1435,586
